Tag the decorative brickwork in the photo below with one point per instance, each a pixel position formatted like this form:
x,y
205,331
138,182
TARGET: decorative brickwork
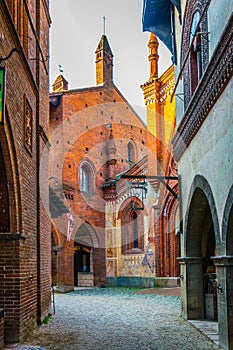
x,y
213,82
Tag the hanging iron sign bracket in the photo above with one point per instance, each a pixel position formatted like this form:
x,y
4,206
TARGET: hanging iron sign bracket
x,y
162,179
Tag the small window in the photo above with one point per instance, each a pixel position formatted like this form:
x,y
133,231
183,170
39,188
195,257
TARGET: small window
x,y
131,153
85,178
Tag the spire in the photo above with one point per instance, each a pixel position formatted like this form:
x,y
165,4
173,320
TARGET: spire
x,y
104,62
153,57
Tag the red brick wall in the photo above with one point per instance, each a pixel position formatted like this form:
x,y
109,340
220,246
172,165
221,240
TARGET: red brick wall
x,y
24,252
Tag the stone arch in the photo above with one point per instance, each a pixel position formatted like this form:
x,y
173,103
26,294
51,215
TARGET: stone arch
x,y
200,196
227,224
89,259
56,235
201,243
86,235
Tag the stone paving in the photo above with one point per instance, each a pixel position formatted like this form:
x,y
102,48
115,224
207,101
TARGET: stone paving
x,y
117,318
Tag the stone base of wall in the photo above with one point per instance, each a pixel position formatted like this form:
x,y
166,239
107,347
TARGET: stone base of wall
x,y
143,282
1,329
63,288
85,279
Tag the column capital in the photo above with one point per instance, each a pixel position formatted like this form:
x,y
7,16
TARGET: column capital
x,y
185,260
224,260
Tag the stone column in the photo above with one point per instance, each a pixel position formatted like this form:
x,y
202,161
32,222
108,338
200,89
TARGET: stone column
x,y
192,296
224,266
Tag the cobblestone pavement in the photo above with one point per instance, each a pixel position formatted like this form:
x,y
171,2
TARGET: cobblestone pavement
x,y
117,318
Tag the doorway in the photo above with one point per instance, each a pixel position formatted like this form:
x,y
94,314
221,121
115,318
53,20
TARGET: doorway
x,y
81,260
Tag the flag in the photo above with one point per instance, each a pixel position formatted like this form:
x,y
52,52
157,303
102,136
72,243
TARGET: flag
x,y
70,225
158,18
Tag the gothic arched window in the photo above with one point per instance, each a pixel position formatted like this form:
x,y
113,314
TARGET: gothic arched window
x,y
132,234
86,178
131,153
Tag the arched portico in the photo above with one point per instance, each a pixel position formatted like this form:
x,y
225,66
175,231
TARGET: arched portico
x,y
201,243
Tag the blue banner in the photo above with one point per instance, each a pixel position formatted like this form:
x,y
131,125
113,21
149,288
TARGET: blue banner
x,y
158,18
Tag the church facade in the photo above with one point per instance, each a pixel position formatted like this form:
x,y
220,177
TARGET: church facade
x,y
96,136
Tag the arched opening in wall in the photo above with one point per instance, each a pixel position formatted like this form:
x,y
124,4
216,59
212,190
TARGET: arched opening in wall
x,y
131,153
200,248
132,229
86,177
84,255
4,195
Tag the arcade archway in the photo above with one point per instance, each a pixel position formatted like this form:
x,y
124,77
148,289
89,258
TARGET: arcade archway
x,y
201,235
85,242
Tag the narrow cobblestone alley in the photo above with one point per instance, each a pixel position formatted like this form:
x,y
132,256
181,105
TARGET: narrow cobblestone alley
x,y
116,318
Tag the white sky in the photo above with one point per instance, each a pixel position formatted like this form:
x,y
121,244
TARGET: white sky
x,y
77,26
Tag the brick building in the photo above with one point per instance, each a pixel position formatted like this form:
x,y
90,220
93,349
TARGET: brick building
x,y
95,136
25,269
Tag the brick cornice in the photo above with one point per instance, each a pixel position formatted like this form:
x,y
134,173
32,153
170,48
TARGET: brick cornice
x,y
214,80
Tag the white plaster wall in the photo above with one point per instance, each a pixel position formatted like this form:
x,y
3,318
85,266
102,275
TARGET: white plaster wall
x,y
210,153
219,13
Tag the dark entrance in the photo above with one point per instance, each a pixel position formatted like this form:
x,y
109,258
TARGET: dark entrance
x,y
81,260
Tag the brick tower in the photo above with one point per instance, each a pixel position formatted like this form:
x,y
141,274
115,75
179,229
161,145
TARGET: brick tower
x,y
104,62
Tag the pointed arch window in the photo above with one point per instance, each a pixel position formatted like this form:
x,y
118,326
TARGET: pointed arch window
x,y
86,178
131,153
132,234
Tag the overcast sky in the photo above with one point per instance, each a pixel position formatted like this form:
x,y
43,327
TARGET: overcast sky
x,y
77,26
